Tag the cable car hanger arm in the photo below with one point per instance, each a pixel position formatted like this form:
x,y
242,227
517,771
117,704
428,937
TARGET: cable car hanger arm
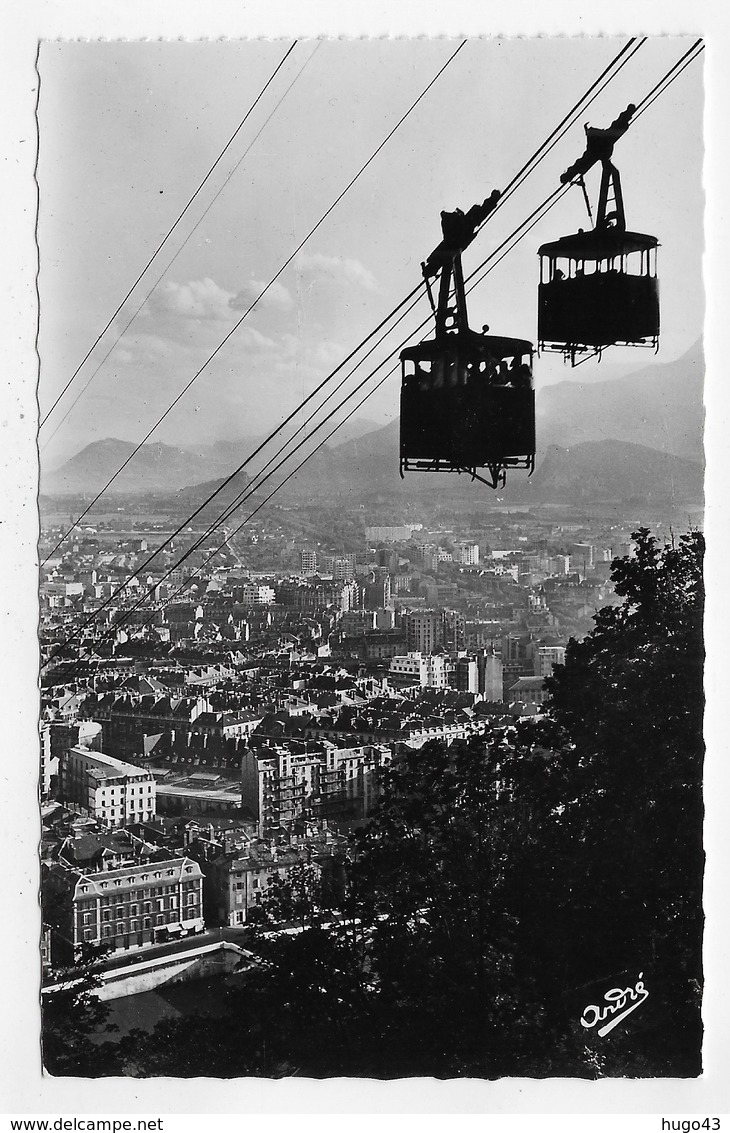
x,y
599,145
459,229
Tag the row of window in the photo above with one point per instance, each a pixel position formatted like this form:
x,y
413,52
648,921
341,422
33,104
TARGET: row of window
x,y
142,877
136,925
133,910
139,895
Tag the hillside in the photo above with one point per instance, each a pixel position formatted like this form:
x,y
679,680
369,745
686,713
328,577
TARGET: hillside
x,y
635,436
155,468
658,406
591,472
614,471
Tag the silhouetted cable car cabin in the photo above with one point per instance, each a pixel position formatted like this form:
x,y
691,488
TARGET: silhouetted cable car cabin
x,y
467,402
599,288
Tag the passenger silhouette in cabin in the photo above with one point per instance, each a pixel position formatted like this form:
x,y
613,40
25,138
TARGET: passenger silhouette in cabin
x,y
520,375
501,374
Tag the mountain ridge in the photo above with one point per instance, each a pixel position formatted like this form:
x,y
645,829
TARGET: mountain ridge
x,y
658,409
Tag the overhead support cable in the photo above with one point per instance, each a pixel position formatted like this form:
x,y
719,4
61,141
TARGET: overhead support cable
x,y
415,291
260,296
527,225
246,494
581,105
689,57
184,243
607,76
170,231
519,233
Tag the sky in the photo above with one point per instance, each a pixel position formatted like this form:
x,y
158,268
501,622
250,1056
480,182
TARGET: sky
x,y
129,130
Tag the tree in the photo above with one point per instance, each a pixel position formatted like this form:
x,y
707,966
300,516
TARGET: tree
x,y
431,883
295,899
72,1016
617,855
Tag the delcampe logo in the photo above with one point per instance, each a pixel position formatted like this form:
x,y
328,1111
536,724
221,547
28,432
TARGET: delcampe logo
x,y
619,1002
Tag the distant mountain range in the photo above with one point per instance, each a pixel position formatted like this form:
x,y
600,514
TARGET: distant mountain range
x,y
155,468
605,471
633,437
659,406
590,472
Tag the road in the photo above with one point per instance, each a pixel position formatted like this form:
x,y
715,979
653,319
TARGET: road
x,y
175,947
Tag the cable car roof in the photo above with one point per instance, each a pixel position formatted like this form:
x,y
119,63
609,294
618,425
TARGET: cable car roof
x,y
597,244
494,345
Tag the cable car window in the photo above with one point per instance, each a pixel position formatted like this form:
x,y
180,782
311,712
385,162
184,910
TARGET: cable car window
x,y
635,264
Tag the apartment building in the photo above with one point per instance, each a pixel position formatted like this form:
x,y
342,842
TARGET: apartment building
x,y
286,782
422,630
110,790
124,908
428,671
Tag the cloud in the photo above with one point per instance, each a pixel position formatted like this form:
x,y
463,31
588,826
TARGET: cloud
x,y
249,336
181,353
338,268
191,316
277,296
199,300
328,354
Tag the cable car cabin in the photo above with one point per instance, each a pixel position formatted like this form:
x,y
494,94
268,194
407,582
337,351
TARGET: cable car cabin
x,y
598,289
467,403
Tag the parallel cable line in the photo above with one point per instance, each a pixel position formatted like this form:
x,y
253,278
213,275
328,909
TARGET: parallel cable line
x,y
689,57
519,177
534,218
187,239
345,419
530,222
170,231
415,291
529,166
549,201
542,210
224,484
559,132
270,284
249,491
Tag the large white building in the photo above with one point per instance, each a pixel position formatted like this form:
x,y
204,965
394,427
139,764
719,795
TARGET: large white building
x,y
125,908
402,534
420,669
253,594
467,553
114,792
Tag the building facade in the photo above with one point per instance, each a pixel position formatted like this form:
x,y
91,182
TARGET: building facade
x,y
126,908
284,783
426,670
113,792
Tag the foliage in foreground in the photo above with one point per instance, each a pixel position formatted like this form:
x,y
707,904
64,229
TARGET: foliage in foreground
x,y
74,1017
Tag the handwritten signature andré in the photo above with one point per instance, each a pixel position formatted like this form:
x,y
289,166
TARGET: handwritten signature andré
x,y
623,1000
